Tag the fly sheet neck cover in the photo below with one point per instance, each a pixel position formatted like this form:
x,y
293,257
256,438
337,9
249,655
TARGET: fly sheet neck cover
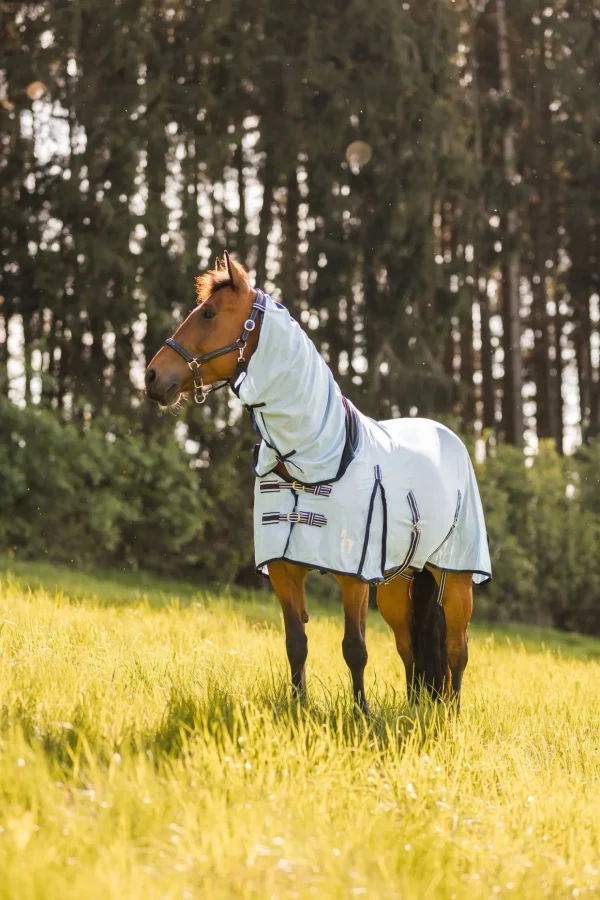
x,y
408,497
297,407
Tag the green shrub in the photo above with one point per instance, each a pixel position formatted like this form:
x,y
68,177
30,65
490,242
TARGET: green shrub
x,y
544,529
103,493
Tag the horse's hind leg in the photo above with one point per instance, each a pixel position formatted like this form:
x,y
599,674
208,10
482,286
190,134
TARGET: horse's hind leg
x,y
458,607
288,583
355,597
395,605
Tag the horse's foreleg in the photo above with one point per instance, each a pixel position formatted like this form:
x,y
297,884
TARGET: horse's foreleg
x,y
395,605
288,583
355,597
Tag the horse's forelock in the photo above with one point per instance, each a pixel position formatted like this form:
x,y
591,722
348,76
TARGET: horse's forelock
x,y
210,282
214,280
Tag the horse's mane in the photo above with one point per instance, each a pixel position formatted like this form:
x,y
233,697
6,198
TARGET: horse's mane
x,y
215,279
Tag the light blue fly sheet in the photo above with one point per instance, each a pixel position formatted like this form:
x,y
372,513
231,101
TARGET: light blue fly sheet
x,y
371,499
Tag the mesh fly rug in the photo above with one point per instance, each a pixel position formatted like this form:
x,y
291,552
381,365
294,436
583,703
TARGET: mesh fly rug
x,y
371,499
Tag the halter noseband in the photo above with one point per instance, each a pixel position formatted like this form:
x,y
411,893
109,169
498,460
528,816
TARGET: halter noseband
x,y
194,362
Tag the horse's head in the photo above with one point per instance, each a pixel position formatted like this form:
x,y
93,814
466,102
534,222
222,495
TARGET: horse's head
x,y
224,304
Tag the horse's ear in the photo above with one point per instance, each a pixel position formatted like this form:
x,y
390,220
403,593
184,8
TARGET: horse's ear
x,y
236,276
219,264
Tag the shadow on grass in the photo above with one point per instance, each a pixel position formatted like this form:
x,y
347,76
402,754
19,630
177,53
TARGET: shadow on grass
x,y
217,719
220,718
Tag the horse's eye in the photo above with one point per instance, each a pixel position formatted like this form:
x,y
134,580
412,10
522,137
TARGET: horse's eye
x,y
209,314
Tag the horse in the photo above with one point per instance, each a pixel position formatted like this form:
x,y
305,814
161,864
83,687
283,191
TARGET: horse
x,y
394,504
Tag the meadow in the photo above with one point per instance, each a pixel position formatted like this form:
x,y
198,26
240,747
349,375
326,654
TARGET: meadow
x,y
150,748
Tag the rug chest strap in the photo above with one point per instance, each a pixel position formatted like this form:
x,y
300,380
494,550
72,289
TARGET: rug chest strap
x,y
273,487
296,517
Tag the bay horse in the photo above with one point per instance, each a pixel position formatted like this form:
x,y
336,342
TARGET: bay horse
x,y
394,504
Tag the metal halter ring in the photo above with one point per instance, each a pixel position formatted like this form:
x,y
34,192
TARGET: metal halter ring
x,y
293,517
249,325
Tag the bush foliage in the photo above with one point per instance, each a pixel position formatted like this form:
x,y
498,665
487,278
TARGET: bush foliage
x,y
101,493
544,528
105,494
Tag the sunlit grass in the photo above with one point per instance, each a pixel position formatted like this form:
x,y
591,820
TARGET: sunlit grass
x,y
149,748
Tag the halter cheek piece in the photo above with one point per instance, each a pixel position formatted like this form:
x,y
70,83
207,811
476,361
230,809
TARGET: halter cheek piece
x,y
194,362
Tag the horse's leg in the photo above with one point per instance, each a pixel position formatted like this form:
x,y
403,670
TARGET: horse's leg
x,y
458,607
355,597
288,583
395,605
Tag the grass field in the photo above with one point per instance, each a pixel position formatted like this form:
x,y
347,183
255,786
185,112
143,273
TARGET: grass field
x,y
149,749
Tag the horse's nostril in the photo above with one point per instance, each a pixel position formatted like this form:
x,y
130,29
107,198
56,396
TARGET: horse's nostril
x,y
150,376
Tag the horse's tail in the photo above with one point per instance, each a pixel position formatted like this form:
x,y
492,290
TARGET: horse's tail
x,y
428,635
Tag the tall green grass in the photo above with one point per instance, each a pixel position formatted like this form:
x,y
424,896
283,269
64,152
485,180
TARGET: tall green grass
x,y
149,748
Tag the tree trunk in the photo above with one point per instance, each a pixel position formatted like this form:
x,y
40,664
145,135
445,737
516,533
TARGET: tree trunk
x,y
240,242
513,377
558,399
266,216
288,275
488,415
4,320
488,418
27,367
467,367
546,424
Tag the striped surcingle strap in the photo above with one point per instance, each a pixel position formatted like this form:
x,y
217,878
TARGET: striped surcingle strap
x,y
440,596
415,537
294,518
457,513
273,487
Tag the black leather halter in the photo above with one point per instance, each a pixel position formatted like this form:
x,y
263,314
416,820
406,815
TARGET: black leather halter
x,y
194,362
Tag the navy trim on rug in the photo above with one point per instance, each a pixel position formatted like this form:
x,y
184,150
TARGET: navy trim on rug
x,y
326,571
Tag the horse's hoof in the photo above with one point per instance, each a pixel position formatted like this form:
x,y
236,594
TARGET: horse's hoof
x,y
299,694
361,706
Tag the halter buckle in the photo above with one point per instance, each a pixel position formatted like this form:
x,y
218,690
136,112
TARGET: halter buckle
x,y
293,518
299,488
199,392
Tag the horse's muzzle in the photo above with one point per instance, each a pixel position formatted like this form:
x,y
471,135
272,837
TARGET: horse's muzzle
x,y
163,391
